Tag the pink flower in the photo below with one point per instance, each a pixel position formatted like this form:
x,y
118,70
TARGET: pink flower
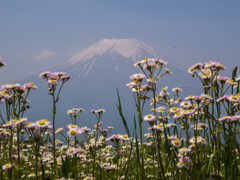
x,y
176,143
52,82
138,77
64,78
44,75
233,118
186,104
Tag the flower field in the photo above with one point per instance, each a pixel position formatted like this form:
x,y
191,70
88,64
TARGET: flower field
x,y
193,137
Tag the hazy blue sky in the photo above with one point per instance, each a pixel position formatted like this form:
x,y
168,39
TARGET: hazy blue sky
x,y
35,35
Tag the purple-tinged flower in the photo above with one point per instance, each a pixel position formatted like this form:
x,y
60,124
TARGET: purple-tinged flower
x,y
150,143
186,104
30,125
206,96
234,99
203,125
19,121
225,97
149,118
222,79
138,77
189,112
151,80
199,128
110,127
30,85
206,74
176,89
176,143
138,63
86,129
8,124
71,151
184,150
231,82
7,166
135,83
197,66
159,62
202,141
233,118
168,71
64,78
45,75
223,118
42,124
211,64
172,137
158,127
173,110
74,132
52,82
58,130
178,114
37,135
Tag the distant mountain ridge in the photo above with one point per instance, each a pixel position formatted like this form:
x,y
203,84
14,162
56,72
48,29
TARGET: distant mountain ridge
x,y
95,73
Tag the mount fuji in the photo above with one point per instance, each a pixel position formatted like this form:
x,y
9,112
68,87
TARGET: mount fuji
x,y
95,73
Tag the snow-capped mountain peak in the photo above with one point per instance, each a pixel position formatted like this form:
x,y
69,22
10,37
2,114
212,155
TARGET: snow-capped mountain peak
x,y
128,48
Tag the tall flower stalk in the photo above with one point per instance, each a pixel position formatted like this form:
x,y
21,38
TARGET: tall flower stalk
x,y
53,78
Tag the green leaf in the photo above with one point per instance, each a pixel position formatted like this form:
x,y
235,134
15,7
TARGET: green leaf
x,y
43,172
20,165
211,159
234,73
121,114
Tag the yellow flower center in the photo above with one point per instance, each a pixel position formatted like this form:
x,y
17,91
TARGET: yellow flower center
x,y
234,97
29,123
149,116
198,127
178,113
207,73
72,126
174,108
159,125
151,79
72,132
41,122
180,162
185,103
70,150
190,95
184,147
31,83
145,59
7,165
176,142
191,68
138,75
231,80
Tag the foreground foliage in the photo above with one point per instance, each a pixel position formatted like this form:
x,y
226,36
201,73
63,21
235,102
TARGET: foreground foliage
x,y
209,122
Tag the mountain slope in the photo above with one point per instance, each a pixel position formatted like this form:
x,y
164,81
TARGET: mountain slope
x,y
95,73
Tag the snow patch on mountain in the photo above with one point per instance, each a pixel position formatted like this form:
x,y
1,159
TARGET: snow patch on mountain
x,y
129,48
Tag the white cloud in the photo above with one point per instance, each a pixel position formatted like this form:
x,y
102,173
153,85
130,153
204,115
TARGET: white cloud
x,y
44,54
